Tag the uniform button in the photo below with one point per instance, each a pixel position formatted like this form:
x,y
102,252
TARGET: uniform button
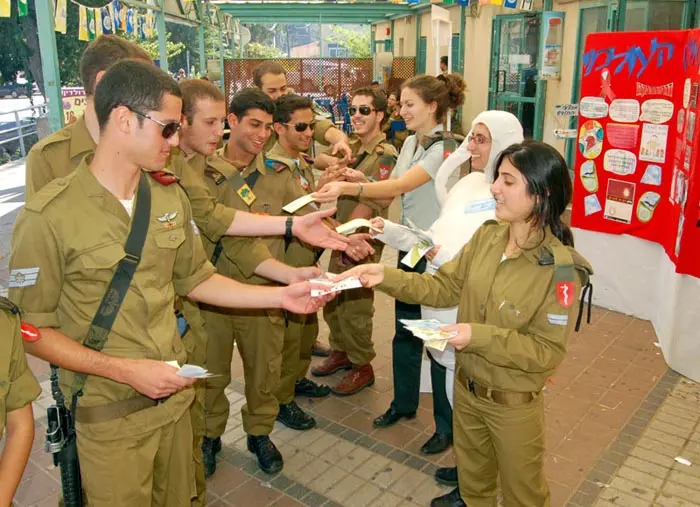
x,y
172,237
61,182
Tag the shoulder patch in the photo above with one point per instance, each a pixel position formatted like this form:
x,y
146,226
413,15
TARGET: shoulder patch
x,y
48,193
386,165
164,177
215,175
276,165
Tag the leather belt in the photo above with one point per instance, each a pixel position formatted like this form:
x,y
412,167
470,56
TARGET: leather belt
x,y
508,398
114,410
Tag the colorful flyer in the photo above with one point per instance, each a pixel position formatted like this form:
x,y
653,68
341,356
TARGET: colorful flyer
x,y
589,176
593,107
654,141
624,110
652,175
590,139
657,111
591,204
646,206
620,162
619,203
622,136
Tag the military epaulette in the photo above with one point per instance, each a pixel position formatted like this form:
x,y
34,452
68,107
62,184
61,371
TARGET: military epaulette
x,y
490,222
8,306
449,146
308,158
164,177
386,149
276,165
48,193
215,175
57,137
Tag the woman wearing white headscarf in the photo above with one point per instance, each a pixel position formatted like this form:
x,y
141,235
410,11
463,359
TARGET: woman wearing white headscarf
x,y
464,209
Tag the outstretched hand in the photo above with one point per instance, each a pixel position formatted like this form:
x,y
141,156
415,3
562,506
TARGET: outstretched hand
x,y
297,297
311,229
370,275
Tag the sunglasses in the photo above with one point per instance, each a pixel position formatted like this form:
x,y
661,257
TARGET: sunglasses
x,y
302,126
364,110
478,139
169,129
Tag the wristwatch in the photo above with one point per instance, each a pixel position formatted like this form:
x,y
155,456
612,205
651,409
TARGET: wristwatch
x,y
288,230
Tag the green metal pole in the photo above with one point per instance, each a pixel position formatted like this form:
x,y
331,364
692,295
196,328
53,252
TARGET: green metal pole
x,y
373,37
418,17
621,14
392,38
161,37
462,37
49,63
202,50
222,80
541,92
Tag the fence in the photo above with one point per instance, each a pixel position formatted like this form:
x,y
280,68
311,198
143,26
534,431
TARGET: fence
x,y
19,132
317,77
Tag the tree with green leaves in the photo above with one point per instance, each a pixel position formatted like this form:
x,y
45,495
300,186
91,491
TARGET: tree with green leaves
x,y
357,42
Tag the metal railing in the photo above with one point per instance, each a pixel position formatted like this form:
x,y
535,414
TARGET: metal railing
x,y
22,127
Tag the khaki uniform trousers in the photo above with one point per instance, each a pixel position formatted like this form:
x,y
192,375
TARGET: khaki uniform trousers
x,y
299,337
195,343
259,336
157,465
349,316
491,438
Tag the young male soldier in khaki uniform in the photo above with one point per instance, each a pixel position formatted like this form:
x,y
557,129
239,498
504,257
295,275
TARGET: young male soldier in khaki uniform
x,y
294,125
241,259
349,317
134,436
18,388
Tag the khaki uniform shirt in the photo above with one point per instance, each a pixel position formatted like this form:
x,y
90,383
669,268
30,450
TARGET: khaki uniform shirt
x,y
299,254
320,129
376,161
240,256
59,154
519,314
65,247
18,387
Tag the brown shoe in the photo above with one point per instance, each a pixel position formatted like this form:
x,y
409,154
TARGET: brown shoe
x,y
335,362
320,350
355,381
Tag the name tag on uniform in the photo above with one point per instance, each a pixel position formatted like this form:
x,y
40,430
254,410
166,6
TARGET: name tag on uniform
x,y
479,206
246,193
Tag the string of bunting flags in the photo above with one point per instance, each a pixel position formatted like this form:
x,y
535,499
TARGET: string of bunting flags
x,y
510,4
109,17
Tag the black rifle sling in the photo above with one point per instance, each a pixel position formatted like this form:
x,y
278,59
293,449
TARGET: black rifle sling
x,y
107,312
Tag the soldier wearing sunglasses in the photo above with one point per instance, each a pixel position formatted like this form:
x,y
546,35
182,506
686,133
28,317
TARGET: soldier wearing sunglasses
x,y
349,317
271,78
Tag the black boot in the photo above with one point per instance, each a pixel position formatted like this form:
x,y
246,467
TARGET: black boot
x,y
451,499
436,444
447,476
294,417
269,458
307,387
390,417
210,448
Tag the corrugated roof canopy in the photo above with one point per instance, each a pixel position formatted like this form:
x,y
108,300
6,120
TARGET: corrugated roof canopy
x,y
313,11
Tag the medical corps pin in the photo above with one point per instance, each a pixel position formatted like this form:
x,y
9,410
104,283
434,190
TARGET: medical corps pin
x,y
565,293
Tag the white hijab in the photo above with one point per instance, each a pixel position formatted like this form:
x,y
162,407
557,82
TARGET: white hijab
x,y
505,129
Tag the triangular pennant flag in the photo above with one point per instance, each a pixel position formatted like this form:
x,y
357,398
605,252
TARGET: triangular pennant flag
x,y
60,18
122,21
23,8
511,4
5,8
142,27
130,20
83,33
484,2
496,2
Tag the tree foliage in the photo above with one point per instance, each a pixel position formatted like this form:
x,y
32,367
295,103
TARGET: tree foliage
x,y
257,50
357,41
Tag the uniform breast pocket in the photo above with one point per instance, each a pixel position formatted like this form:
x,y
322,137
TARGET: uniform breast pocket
x,y
99,263
168,242
511,312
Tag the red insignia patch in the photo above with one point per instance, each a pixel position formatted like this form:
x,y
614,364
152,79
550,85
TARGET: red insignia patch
x,y
164,178
384,172
29,332
565,294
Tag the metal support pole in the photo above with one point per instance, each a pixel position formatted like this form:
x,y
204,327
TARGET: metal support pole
x,y
161,37
202,51
49,63
392,39
22,149
222,80
462,38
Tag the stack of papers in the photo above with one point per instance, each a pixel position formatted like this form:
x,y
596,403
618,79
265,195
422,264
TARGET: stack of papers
x,y
429,330
191,370
297,204
349,283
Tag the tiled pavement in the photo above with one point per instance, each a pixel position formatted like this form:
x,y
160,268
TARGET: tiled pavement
x,y
616,419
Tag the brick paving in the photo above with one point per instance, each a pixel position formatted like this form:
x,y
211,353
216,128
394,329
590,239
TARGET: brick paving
x,y
616,419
